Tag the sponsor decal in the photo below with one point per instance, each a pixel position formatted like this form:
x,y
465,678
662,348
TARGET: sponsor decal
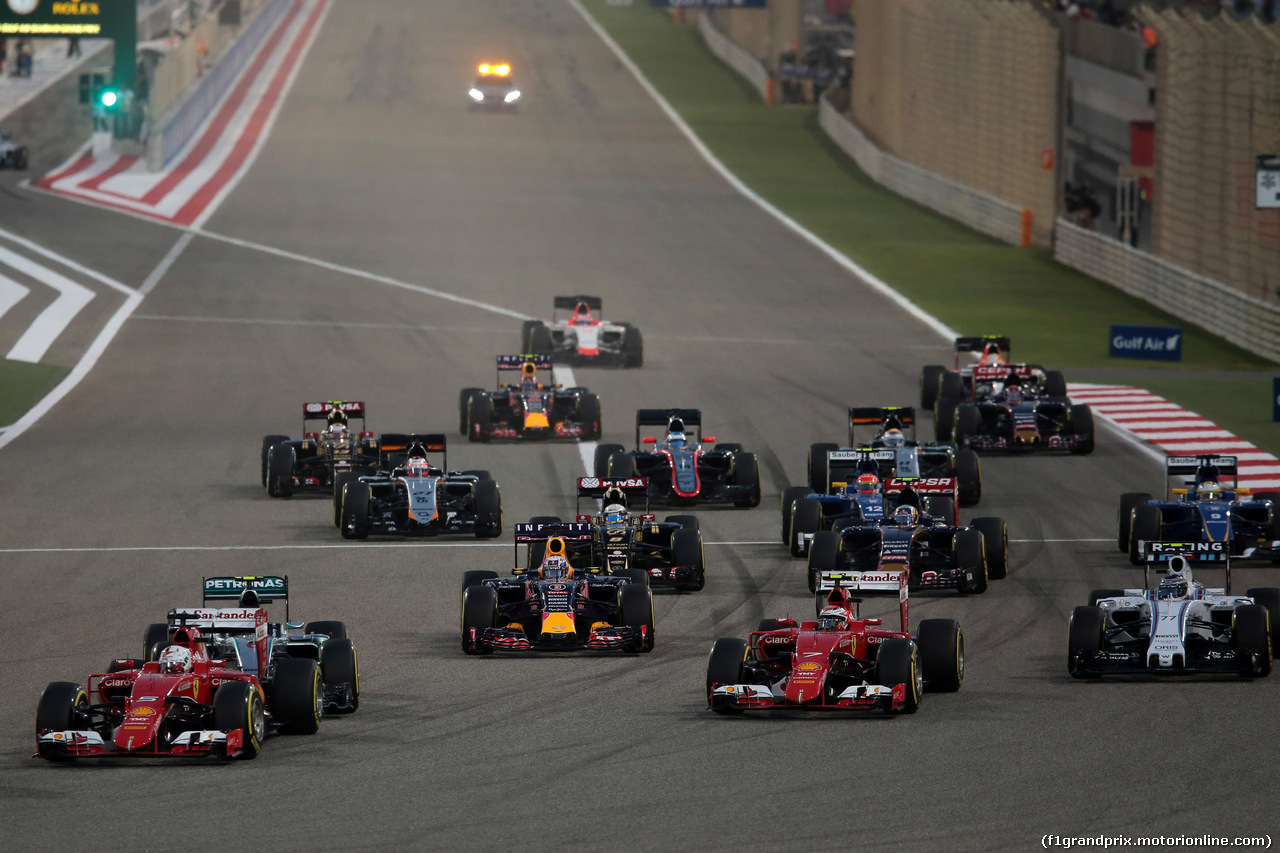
x,y
1184,547
809,667
114,682
142,712
874,639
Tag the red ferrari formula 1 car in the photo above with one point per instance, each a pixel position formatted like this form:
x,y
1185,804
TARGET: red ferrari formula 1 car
x,y
185,704
839,661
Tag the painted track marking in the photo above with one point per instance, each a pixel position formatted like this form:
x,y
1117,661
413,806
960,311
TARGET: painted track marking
x,y
54,319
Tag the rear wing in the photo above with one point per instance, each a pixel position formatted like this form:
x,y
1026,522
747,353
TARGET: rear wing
x,y
878,582
979,343
1155,553
515,362
595,303
268,588
843,465
321,410
527,534
394,447
1000,372
883,417
595,487
662,417
1189,466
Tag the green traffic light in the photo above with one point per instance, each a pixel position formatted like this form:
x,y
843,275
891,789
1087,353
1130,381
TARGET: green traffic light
x,y
109,98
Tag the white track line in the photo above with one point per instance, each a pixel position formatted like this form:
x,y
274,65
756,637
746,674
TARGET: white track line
x,y
165,263
11,293
57,315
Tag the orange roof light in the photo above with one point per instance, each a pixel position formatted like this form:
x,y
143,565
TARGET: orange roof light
x,y
486,68
501,70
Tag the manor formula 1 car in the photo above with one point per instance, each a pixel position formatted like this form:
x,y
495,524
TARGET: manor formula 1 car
x,y
839,661
679,469
582,337
313,462
416,497
1180,627
533,408
1202,510
554,607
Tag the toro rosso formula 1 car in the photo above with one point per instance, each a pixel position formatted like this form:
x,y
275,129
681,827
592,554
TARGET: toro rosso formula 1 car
x,y
532,408
1018,414
1203,510
312,463
582,337
618,541
936,553
221,680
555,607
416,497
1180,627
839,661
679,468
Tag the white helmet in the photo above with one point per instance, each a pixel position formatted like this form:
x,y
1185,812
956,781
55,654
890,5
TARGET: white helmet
x,y
175,659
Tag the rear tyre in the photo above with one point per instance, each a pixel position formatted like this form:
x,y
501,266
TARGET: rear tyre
x,y
689,521
589,415
269,441
331,628
1082,425
806,517
1268,597
687,550
297,695
995,545
639,577
824,556
789,496
941,506
1097,595
237,705
622,466
464,403
280,463
724,666
1085,633
898,662
1251,629
479,414
970,556
1055,384
540,340
768,625
632,346
600,464
819,481
635,609
339,669
475,577
968,422
488,510
154,639
951,386
941,645
969,473
479,611
61,709
340,481
1129,501
930,384
1146,527
746,472
944,419
355,510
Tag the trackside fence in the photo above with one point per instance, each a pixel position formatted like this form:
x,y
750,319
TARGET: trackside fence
x,y
739,60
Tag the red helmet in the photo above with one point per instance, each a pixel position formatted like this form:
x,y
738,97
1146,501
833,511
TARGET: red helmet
x,y
868,483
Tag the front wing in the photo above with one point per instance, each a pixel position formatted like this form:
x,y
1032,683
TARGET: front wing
x,y
861,697
89,744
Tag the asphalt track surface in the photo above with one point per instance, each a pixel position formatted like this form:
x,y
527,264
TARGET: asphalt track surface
x,y
151,465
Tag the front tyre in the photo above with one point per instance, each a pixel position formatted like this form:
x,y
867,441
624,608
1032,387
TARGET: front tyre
x,y
898,662
941,643
238,705
61,709
724,666
297,695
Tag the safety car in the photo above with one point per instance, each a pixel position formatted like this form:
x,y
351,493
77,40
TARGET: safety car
x,y
494,88
582,337
533,408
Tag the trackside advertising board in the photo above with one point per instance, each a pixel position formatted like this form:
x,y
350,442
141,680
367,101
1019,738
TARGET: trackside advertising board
x,y
708,4
1158,343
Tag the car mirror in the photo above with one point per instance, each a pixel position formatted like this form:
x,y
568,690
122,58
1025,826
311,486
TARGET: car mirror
x,y
648,439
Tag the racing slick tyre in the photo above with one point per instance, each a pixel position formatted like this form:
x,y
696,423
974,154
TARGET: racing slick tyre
x,y
1055,384
540,341
1124,517
589,415
1251,629
789,496
237,705
479,611
819,482
1268,597
969,473
1097,595
951,386
154,639
941,643
1146,527
269,441
632,346
340,481
944,419
600,464
1082,424
724,666
479,413
930,382
941,506
280,462
297,695
729,447
690,521
464,408
61,709
898,662
526,332
1086,632
995,545
687,550
824,555
746,472
355,510
622,466
768,625
1273,531
488,510
480,474
474,577
806,517
339,669
970,555
968,422
635,608
639,577
331,628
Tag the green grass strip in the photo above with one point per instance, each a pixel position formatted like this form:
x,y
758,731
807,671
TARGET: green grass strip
x,y
977,285
22,385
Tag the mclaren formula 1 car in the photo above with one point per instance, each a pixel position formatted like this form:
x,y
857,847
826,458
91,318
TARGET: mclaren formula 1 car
x,y
12,155
313,462
839,661
1179,627
494,88
1202,510
582,337
220,683
532,408
679,468
621,539
555,607
414,496
937,553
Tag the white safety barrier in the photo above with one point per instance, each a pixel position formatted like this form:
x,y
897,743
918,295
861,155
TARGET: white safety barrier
x,y
736,58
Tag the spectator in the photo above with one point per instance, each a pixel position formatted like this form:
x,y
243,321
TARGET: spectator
x,y
1081,204
26,57
4,54
73,46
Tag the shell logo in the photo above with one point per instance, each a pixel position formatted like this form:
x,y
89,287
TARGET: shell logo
x,y
143,712
809,667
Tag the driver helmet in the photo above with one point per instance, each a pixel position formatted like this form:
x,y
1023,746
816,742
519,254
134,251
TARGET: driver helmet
x,y
417,466
894,438
581,314
175,659
1013,394
1209,491
529,376
833,619
867,484
555,565
615,514
906,516
677,439
1176,582
338,432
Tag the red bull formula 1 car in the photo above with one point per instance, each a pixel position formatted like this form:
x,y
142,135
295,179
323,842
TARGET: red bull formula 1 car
x,y
534,408
839,661
582,337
